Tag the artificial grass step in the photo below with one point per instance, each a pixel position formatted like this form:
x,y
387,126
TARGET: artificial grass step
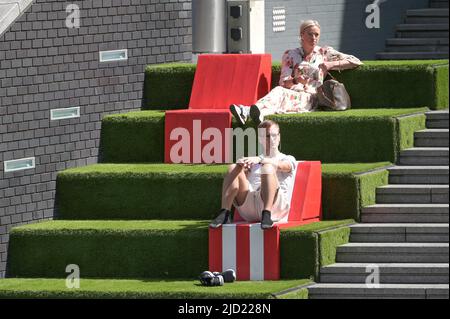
x,y
153,249
176,191
375,84
154,289
331,137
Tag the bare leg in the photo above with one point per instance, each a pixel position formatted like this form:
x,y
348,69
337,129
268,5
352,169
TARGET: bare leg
x,y
269,186
235,186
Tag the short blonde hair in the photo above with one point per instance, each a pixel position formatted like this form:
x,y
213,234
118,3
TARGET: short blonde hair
x,y
307,24
267,124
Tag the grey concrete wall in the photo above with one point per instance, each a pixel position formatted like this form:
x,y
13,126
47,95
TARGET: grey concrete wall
x,y
342,22
44,65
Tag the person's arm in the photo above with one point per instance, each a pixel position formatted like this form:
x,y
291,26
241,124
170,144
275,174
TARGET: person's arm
x,y
248,162
283,166
335,60
341,64
286,79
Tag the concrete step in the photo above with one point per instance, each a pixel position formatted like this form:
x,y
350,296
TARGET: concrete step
x,y
417,41
438,115
384,291
439,4
422,34
405,213
437,124
412,194
399,233
422,27
437,120
422,30
418,175
424,156
431,138
417,48
427,12
412,55
392,253
388,273
424,20
427,16
417,45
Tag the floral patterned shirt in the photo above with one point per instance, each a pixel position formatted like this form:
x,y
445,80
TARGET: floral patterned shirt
x,y
294,64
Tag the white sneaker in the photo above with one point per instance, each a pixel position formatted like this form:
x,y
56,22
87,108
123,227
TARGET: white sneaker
x,y
239,113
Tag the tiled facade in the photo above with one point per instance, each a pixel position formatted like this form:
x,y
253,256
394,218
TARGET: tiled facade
x,y
44,65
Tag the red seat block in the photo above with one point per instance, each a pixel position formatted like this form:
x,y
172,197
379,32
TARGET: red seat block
x,y
190,131
255,254
220,80
224,79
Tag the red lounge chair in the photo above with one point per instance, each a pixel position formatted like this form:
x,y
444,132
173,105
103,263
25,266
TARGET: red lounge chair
x,y
220,80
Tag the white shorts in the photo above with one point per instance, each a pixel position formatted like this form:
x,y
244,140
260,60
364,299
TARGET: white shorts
x,y
251,209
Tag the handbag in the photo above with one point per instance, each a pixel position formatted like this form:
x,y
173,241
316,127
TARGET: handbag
x,y
332,96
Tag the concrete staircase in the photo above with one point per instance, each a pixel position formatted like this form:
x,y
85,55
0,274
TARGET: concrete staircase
x,y
424,35
405,235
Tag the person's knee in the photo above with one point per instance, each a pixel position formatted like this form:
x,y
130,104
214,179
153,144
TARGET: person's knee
x,y
278,89
231,167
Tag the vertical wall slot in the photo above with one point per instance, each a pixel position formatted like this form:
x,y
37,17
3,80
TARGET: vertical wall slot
x,y
279,19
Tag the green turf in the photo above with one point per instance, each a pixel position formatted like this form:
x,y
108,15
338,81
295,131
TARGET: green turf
x,y
329,240
301,293
351,168
305,250
157,96
128,249
406,126
343,195
175,191
397,84
340,138
441,88
137,227
113,288
142,249
332,137
133,137
128,227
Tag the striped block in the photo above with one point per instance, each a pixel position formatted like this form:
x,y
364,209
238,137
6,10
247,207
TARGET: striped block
x,y
255,253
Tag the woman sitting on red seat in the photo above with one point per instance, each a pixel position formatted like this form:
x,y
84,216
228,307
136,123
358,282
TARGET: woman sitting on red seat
x,y
302,72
